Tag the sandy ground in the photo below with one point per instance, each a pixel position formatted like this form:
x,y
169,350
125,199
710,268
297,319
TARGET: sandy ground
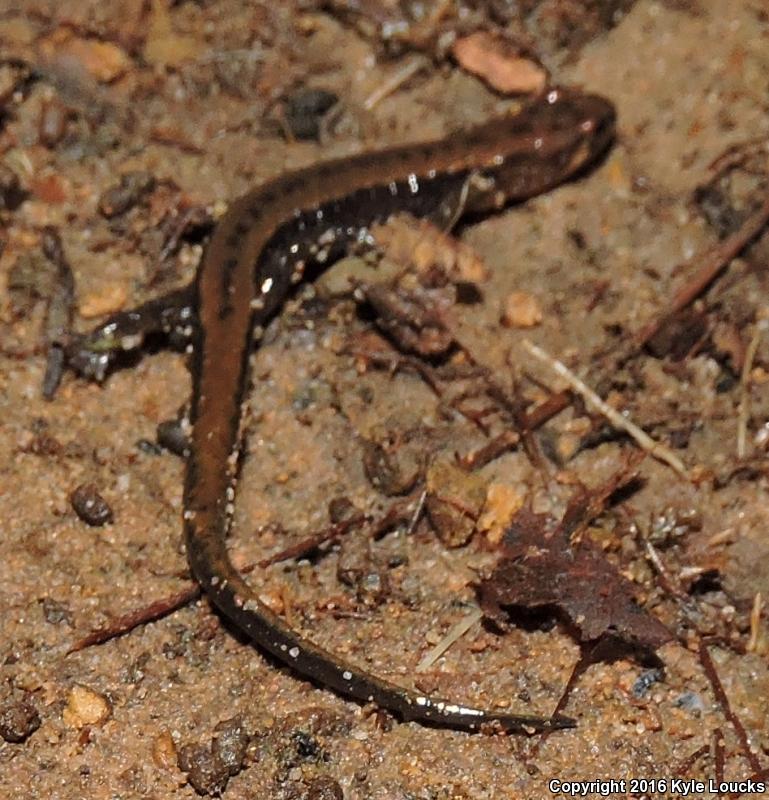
x,y
189,96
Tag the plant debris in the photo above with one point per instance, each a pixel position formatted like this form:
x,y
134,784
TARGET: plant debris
x,y
546,565
499,62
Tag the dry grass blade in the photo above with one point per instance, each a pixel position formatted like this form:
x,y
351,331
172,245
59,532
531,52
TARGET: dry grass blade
x,y
656,449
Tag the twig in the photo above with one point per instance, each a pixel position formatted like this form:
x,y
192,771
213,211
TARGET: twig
x,y
715,261
395,81
499,445
417,515
744,408
645,441
684,767
139,616
711,673
454,633
125,623
755,623
546,410
309,543
395,362
726,708
668,583
59,313
718,755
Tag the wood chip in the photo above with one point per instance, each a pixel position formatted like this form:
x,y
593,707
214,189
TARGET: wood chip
x,y
503,502
163,46
499,63
103,61
407,240
755,623
109,300
521,310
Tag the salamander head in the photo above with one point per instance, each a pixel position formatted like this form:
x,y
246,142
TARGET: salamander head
x,y
545,143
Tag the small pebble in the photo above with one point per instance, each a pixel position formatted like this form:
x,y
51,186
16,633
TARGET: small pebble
x,y
108,300
85,707
164,750
521,310
691,701
90,506
393,470
103,61
304,110
453,502
205,772
645,681
171,435
230,743
11,193
18,720
324,788
52,123
125,195
55,612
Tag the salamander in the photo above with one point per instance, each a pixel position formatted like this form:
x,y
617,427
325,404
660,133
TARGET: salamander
x,y
257,252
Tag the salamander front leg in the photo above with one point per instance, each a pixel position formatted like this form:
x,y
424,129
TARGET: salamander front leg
x,y
170,320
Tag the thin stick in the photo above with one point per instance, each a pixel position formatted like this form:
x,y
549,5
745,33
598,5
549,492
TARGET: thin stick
x,y
744,408
689,761
157,609
719,756
395,81
715,262
721,698
455,632
417,515
645,441
755,623
668,583
547,409
140,616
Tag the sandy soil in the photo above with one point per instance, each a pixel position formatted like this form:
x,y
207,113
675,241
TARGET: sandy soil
x,y
189,94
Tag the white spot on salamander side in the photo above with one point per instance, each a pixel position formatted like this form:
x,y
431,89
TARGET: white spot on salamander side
x,y
298,272
347,675
294,652
413,183
132,341
267,285
327,237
